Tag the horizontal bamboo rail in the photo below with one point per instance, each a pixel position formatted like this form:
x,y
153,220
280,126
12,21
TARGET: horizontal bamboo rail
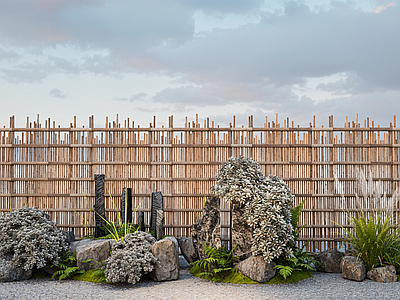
x,y
53,167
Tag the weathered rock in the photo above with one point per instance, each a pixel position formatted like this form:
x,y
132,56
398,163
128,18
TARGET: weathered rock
x,y
157,203
90,255
142,226
159,224
383,274
167,267
126,204
99,206
80,243
242,233
353,268
187,249
207,228
183,264
257,269
329,261
9,272
174,240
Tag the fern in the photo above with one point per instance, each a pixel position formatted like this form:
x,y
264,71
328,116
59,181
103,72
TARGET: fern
x,y
219,262
67,267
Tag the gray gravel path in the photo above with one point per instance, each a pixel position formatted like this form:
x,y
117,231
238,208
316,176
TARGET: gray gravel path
x,y
321,286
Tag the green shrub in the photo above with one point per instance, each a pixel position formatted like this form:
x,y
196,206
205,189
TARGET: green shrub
x,y
66,268
218,264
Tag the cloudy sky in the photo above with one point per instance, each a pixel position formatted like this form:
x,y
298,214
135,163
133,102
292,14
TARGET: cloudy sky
x,y
217,58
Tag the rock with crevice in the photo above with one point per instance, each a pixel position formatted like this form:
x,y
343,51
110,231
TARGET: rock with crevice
x,y
383,274
257,269
329,261
167,267
207,228
353,268
242,233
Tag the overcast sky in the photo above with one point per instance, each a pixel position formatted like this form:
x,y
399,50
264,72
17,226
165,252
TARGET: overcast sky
x,y
217,58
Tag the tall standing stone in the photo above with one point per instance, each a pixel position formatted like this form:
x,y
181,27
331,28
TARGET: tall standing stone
x,y
126,204
157,203
142,226
99,207
159,224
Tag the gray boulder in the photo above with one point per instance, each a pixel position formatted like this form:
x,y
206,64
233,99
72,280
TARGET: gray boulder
x,y
9,272
188,250
183,264
329,261
174,240
257,269
90,255
353,268
383,274
206,229
167,267
80,243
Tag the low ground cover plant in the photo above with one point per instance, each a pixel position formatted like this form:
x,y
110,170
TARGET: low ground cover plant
x,y
130,258
30,238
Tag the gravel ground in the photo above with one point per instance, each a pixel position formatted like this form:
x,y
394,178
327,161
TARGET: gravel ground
x,y
320,286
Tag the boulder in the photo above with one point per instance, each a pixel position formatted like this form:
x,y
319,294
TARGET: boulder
x,y
242,233
257,269
174,240
206,229
167,267
183,264
90,255
188,250
383,274
329,261
9,272
80,243
353,268
70,236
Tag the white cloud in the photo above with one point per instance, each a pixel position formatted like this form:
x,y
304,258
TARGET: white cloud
x,y
56,93
381,8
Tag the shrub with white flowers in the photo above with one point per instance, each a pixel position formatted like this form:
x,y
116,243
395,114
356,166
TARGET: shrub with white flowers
x,y
267,204
30,238
131,258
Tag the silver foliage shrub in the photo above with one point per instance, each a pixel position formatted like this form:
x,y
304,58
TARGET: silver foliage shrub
x,y
130,260
30,238
267,205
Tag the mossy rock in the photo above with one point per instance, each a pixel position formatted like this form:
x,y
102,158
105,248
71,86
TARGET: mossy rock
x,y
95,275
237,278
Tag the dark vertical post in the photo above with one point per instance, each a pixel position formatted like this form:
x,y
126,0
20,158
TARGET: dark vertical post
x,y
230,227
157,213
126,205
141,221
99,207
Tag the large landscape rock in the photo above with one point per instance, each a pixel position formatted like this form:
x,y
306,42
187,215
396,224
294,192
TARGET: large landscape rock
x,y
167,267
207,228
90,255
8,272
383,274
353,268
329,261
256,268
174,240
242,233
188,250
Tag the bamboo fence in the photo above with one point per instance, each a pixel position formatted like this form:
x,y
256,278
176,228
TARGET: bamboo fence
x,y
53,168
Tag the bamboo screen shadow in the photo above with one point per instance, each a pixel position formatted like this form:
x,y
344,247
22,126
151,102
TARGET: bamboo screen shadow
x,y
53,168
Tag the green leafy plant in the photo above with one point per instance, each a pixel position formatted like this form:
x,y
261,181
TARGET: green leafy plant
x,y
301,260
66,268
374,235
219,262
115,230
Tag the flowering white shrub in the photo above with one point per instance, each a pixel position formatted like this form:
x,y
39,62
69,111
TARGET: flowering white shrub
x,y
30,238
131,259
267,205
